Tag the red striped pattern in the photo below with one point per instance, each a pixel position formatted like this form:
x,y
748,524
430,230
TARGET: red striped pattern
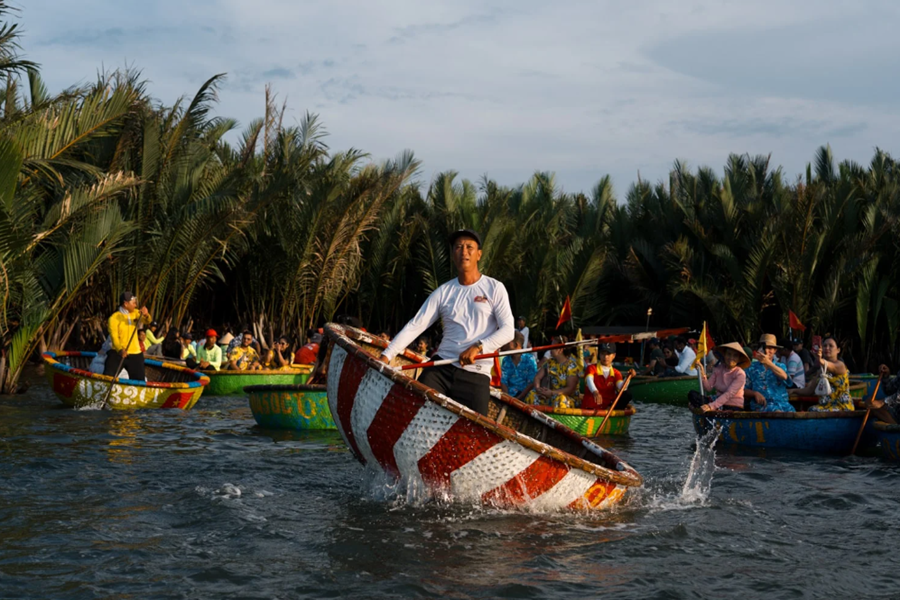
x,y
440,452
538,478
351,376
397,410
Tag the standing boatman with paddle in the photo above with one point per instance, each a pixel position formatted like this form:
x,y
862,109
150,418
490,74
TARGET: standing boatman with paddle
x,y
477,319
126,351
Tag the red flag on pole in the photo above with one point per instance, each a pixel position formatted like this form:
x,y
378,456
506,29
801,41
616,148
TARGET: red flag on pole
x,y
565,315
710,344
795,322
496,373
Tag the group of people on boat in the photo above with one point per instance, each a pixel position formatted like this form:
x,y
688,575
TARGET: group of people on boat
x,y
133,335
766,382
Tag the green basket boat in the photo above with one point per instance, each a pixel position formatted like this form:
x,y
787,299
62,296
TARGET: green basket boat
x,y
587,422
290,406
664,390
232,383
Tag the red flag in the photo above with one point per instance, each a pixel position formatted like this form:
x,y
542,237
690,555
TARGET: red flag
x,y
795,322
496,374
565,315
710,344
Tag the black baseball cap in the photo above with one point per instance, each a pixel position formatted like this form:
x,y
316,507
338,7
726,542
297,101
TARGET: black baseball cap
x,y
126,296
465,233
606,348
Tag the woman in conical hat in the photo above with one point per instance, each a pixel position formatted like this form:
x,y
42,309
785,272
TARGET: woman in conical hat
x,y
728,379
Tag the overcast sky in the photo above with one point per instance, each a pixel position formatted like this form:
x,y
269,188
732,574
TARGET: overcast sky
x,y
508,88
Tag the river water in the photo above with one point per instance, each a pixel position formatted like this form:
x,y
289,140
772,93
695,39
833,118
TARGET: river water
x,y
203,504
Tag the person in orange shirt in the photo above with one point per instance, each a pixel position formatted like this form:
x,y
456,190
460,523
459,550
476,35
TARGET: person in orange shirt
x,y
307,354
603,381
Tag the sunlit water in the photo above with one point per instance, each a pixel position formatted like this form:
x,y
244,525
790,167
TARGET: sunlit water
x,y
202,504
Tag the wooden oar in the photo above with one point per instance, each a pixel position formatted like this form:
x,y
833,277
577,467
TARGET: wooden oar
x,y
105,403
613,405
866,418
450,361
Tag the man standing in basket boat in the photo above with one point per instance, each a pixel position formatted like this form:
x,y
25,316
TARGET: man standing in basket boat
x,y
125,349
477,319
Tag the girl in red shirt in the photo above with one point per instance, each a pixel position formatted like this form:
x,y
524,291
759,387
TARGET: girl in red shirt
x,y
603,381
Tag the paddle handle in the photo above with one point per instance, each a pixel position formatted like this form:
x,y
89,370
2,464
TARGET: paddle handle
x,y
450,361
612,407
866,418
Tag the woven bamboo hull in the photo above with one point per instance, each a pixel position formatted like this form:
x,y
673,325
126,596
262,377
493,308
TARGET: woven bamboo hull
x,y
232,383
290,406
587,422
77,387
889,439
440,449
664,390
824,432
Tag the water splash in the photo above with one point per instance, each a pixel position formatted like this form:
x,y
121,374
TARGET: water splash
x,y
694,490
698,483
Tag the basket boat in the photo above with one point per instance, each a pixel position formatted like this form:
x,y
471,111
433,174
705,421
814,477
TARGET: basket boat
x,y
665,390
232,383
167,385
823,432
515,457
290,406
587,422
888,437
869,381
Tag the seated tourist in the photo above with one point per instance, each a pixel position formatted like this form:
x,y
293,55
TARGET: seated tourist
x,y
153,335
767,379
98,363
244,357
657,363
603,381
420,346
796,370
835,371
887,410
727,379
686,357
282,358
562,373
142,339
171,345
307,354
189,347
209,354
517,372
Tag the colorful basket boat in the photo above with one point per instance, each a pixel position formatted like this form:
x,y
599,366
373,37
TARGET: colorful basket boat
x,y
587,422
167,385
664,390
824,432
290,406
515,457
888,437
869,381
232,383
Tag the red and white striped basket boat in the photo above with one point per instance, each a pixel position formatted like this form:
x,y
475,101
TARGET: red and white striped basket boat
x,y
516,457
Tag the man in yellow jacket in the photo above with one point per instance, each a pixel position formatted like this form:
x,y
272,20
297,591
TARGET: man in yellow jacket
x,y
126,350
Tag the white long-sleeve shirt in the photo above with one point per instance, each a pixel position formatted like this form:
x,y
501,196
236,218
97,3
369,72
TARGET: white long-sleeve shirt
x,y
686,359
469,314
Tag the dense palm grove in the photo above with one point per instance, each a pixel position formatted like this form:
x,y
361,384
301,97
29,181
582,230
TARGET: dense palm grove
x,y
103,189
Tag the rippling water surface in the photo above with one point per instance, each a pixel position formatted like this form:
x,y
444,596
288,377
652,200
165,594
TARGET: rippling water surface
x,y
203,504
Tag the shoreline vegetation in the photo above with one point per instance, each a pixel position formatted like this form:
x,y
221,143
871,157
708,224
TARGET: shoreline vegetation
x,y
103,189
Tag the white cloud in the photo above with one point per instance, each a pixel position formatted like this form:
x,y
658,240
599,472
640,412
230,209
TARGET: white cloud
x,y
507,88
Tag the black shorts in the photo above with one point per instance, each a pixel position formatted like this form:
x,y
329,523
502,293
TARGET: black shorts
x,y
469,389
